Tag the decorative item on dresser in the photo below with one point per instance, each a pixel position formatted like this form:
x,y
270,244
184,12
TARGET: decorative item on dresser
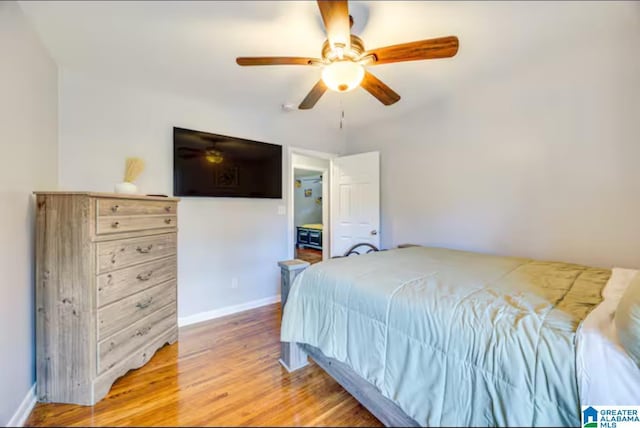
x,y
133,168
106,289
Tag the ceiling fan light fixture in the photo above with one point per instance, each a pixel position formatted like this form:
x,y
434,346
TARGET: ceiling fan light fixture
x,y
213,156
343,76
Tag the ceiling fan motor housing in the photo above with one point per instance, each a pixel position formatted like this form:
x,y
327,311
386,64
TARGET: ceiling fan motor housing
x,y
330,54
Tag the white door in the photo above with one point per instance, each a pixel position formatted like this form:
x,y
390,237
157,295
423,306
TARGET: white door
x,y
355,201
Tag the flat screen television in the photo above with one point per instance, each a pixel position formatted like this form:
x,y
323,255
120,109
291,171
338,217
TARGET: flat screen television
x,y
207,164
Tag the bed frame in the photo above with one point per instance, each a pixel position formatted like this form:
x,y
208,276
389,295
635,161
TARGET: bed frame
x,y
293,356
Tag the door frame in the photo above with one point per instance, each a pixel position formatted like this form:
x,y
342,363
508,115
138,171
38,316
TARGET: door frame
x,y
326,189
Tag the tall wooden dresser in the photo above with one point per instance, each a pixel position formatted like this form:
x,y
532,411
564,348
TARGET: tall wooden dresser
x,y
105,289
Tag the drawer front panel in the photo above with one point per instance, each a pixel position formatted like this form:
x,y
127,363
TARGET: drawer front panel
x,y
120,315
122,283
122,344
106,225
124,207
114,255
141,356
303,236
315,238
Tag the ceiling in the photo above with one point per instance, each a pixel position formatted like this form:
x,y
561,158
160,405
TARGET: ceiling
x,y
191,46
304,173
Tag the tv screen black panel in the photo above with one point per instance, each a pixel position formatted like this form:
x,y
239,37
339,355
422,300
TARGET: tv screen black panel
x,y
207,164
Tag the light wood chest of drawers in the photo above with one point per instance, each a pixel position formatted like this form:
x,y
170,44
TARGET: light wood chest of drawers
x,y
105,289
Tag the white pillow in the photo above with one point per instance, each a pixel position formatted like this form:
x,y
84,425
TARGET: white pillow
x,y
618,283
627,319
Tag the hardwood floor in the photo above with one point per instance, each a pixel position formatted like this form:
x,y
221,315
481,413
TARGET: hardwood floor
x,y
223,372
309,255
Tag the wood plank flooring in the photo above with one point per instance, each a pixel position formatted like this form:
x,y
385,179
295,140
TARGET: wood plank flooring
x,y
309,255
223,372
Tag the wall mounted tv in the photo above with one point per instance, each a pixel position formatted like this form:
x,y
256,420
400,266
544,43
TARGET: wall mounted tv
x,y
207,164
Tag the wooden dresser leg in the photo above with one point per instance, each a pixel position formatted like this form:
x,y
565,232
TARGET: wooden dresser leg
x,y
292,357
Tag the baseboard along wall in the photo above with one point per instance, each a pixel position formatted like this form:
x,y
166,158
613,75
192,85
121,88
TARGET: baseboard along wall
x,y
228,310
24,410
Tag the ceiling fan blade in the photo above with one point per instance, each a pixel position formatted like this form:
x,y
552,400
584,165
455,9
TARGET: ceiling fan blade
x,y
378,89
443,47
277,60
313,96
335,15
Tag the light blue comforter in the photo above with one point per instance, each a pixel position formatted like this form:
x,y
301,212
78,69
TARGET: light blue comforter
x,y
454,338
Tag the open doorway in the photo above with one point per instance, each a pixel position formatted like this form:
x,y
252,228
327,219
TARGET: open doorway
x,y
308,174
307,214
350,199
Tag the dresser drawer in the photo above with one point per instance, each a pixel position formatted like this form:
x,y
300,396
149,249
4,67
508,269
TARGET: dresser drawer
x,y
122,283
303,236
114,255
120,315
124,207
315,237
130,223
119,346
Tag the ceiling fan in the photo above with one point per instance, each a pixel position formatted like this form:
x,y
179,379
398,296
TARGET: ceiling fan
x,y
344,57
210,153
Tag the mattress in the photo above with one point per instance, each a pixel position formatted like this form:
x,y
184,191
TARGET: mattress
x,y
454,338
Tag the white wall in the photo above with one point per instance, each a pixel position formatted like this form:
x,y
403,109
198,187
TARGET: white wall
x,y
306,210
101,123
539,158
28,162
302,161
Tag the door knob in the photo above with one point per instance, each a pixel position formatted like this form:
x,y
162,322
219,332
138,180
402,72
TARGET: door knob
x,y
374,232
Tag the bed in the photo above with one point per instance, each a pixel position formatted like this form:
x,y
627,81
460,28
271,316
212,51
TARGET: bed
x,y
437,337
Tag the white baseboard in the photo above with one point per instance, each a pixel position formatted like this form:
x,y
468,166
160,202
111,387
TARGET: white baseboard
x,y
22,413
228,310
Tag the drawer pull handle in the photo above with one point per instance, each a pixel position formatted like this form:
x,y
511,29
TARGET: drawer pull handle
x,y
167,209
144,305
115,224
167,220
144,250
142,331
115,208
145,277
